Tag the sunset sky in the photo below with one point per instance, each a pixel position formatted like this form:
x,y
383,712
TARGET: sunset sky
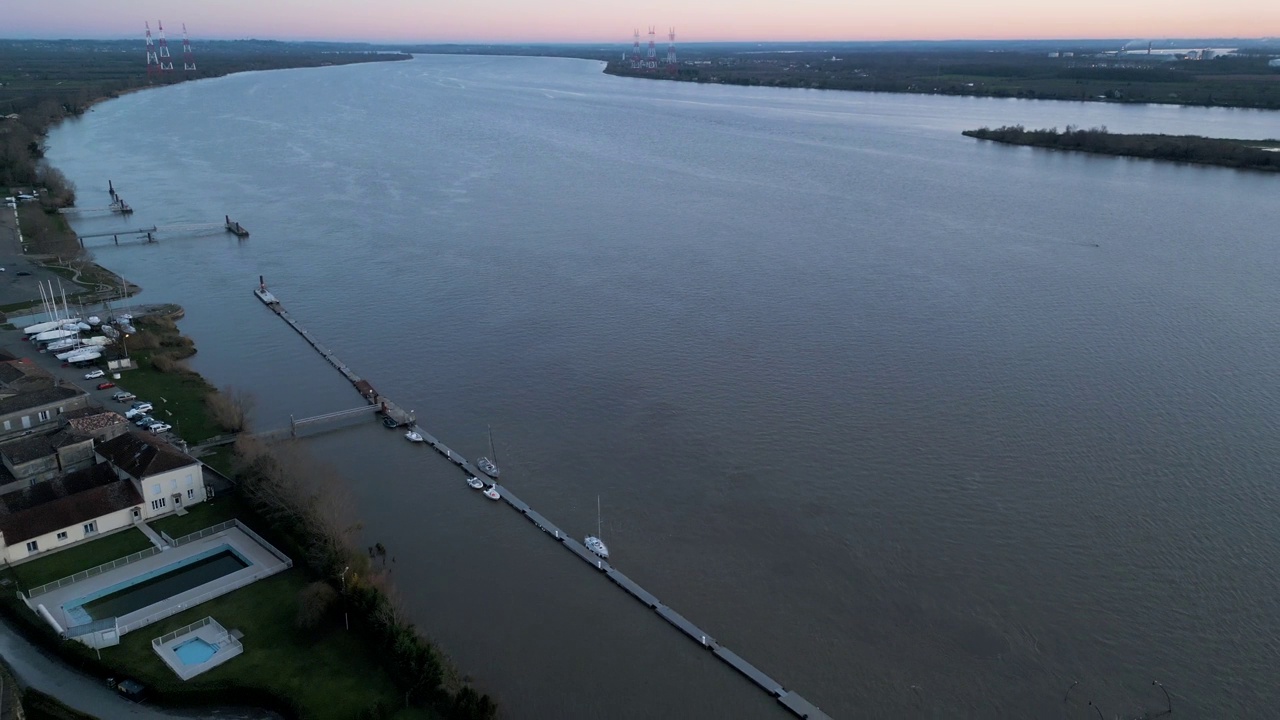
x,y
613,20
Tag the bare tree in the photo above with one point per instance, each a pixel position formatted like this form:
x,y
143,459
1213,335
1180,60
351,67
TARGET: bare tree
x,y
314,603
231,408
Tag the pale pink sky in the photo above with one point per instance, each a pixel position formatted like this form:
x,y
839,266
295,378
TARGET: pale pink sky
x,y
613,20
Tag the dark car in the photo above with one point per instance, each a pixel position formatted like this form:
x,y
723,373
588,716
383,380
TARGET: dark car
x,y
23,273
106,385
128,687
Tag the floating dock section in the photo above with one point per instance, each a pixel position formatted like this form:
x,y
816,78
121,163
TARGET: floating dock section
x,y
796,704
235,228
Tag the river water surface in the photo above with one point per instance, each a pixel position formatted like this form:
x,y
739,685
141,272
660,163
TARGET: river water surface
x,y
920,425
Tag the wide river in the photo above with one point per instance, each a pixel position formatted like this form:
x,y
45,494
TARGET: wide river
x,y
922,426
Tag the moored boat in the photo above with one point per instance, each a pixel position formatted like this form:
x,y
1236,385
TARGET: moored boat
x,y
475,482
593,542
491,492
412,436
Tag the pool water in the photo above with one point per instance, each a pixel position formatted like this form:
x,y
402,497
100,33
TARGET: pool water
x,y
194,651
165,583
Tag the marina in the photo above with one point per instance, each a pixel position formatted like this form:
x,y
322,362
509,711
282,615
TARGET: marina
x,y
788,699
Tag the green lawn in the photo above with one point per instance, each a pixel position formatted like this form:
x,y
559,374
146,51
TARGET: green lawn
x,y
329,672
82,557
198,517
179,398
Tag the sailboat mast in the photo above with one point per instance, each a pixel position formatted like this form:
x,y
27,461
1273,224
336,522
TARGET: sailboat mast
x,y
599,532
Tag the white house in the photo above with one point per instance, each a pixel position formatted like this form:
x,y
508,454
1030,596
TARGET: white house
x,y
138,477
57,513
166,478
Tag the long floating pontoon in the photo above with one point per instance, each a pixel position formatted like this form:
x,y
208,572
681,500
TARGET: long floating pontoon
x,y
790,700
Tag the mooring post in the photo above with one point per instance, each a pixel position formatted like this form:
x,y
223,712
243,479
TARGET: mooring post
x,y
293,428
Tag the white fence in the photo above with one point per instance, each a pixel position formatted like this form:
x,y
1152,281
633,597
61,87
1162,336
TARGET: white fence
x,y
83,574
187,629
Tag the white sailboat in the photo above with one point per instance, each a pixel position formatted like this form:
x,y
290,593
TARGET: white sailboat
x,y
593,542
486,466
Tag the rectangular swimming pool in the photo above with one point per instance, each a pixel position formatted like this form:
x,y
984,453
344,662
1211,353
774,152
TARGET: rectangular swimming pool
x,y
158,585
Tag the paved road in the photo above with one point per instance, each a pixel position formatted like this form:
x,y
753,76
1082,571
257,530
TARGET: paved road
x,y
36,668
13,287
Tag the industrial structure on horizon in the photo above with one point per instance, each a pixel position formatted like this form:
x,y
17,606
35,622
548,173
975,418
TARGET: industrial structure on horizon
x,y
649,61
159,61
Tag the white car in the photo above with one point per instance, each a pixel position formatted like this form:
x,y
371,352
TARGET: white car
x,y
94,374
143,406
160,427
135,413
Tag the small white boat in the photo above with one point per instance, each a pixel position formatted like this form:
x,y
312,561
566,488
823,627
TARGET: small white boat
x,y
491,492
83,356
83,326
42,327
412,436
94,320
593,542
475,482
98,340
52,335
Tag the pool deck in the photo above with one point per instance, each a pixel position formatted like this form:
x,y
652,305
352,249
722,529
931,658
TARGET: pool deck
x,y
211,632
260,558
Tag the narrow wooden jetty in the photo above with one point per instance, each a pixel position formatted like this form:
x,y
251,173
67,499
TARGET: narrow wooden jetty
x,y
793,702
235,228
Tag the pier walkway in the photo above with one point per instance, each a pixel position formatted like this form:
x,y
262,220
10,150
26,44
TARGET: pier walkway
x,y
790,700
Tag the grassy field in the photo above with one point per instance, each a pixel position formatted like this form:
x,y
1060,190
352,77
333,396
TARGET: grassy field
x,y
198,517
329,672
179,397
326,672
82,557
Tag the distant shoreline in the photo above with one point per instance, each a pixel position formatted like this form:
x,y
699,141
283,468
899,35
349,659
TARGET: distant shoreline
x,y
1263,155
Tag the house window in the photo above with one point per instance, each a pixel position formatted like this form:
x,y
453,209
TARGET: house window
x,y
8,425
33,547
62,536
43,415
191,481
90,528
191,493
155,489
173,484
157,504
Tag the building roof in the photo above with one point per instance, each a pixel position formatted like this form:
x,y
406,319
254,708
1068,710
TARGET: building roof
x,y
37,398
22,375
90,420
142,456
79,497
34,447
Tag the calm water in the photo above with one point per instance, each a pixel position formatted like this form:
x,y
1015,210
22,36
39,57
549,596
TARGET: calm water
x,y
922,426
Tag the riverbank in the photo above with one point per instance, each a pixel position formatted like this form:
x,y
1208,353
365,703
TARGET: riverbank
x,y
1261,155
319,642
1227,81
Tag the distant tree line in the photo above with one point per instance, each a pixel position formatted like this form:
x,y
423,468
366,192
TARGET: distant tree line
x,y
44,82
1250,154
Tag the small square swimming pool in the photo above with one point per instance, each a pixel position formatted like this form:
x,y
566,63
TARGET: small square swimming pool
x,y
195,651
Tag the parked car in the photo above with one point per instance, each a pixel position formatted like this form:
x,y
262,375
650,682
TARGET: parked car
x,y
144,406
145,421
94,374
160,427
106,385
134,413
124,395
128,687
